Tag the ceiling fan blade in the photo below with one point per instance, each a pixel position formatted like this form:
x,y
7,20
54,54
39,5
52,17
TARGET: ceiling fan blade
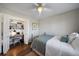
x,y
47,9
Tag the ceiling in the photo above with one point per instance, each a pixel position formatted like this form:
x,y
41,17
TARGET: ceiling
x,y
28,9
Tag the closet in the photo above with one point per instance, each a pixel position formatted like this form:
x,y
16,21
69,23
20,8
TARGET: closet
x,y
9,27
16,30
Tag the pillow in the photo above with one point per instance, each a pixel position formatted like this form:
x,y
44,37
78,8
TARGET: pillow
x,y
64,39
72,36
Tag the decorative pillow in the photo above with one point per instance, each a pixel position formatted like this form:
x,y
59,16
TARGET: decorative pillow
x,y
65,38
72,36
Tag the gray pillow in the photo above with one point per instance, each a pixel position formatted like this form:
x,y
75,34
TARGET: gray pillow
x,y
64,39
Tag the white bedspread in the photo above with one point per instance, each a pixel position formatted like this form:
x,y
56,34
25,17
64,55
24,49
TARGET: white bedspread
x,y
56,48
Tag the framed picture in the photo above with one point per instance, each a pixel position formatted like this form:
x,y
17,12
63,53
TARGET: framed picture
x,y
35,26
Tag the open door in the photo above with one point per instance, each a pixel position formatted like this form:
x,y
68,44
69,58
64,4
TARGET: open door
x,y
5,34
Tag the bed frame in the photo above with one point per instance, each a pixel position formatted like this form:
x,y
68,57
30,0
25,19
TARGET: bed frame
x,y
40,54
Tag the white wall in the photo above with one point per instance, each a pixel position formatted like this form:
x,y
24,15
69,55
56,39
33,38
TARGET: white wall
x,y
65,23
31,31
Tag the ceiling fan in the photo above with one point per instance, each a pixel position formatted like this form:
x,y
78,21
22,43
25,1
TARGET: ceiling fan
x,y
40,7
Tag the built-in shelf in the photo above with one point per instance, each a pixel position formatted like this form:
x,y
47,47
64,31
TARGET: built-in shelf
x,y
16,30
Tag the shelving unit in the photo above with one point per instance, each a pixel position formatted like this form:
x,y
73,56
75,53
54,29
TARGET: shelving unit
x,y
16,31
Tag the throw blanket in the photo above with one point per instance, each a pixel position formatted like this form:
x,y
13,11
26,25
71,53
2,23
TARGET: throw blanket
x,y
39,43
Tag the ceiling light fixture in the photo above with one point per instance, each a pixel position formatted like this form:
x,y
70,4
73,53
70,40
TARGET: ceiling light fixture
x,y
39,8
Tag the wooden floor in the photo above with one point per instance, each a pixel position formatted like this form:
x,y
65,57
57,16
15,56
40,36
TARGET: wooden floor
x,y
21,50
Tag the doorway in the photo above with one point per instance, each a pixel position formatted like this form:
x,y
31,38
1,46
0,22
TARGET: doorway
x,y
16,29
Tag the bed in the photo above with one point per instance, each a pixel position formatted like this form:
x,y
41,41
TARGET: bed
x,y
39,43
52,46
55,47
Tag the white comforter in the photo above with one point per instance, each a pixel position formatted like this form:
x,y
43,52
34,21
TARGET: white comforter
x,y
56,48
